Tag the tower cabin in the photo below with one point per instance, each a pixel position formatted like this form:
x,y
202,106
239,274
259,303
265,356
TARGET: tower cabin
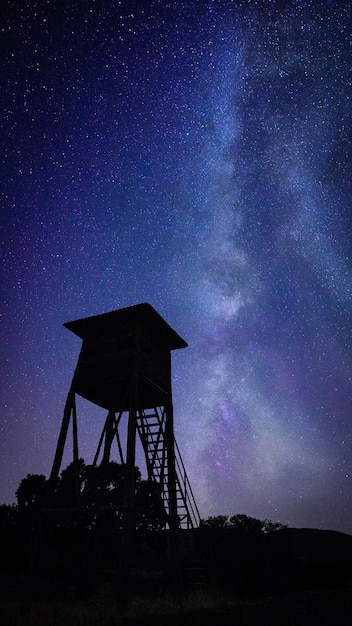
x,y
125,359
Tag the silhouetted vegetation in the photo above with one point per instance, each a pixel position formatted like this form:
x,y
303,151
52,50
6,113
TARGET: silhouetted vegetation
x,y
245,559
82,519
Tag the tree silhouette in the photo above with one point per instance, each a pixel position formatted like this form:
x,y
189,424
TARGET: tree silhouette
x,y
104,485
70,485
246,524
30,492
243,524
151,514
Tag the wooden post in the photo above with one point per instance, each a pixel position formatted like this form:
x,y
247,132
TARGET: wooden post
x,y
128,517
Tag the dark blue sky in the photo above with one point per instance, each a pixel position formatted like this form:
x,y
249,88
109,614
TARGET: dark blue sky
x,y
197,156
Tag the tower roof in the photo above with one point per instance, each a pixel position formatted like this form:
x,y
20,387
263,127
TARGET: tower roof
x,y
142,316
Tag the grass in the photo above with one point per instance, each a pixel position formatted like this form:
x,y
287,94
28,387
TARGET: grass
x,y
101,610
305,609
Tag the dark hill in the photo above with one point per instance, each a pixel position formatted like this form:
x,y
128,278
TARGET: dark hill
x,y
277,562
320,545
320,559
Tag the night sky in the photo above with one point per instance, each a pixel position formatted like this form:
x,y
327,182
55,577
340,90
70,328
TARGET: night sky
x,y
195,155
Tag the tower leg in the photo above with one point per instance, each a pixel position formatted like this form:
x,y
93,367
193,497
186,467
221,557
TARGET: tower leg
x,y
69,407
128,518
172,490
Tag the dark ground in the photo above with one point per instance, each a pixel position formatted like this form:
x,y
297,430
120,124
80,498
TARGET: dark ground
x,y
297,577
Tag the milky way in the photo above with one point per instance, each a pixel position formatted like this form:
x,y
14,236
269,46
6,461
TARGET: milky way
x,y
195,155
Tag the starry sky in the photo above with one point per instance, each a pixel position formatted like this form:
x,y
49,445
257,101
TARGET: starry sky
x,y
195,155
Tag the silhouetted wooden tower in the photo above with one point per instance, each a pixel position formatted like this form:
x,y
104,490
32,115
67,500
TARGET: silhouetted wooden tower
x,y
125,367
